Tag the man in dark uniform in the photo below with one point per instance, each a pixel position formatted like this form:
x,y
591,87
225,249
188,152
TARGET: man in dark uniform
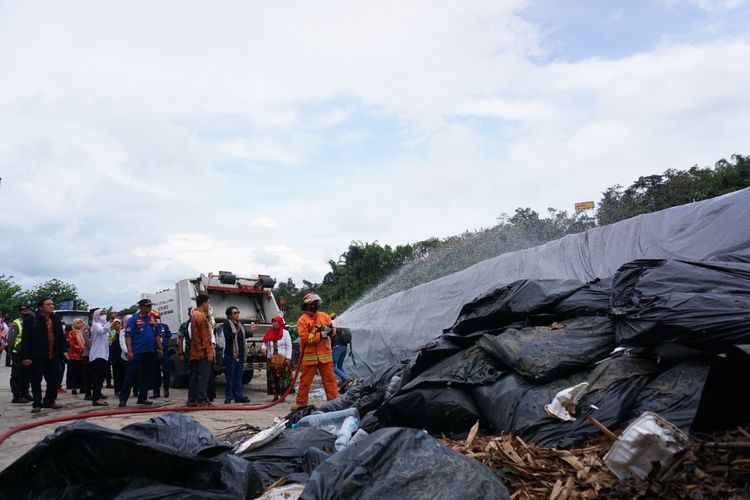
x,y
43,348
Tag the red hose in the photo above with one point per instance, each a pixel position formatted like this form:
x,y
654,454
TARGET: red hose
x,y
110,413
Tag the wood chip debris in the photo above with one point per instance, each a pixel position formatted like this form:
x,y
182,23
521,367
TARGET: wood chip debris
x,y
715,466
535,472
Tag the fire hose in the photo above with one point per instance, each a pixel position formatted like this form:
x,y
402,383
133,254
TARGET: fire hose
x,y
111,413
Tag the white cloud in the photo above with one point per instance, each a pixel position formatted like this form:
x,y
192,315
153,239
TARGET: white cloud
x,y
144,142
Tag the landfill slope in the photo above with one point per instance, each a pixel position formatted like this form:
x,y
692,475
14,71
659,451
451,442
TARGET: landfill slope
x,y
389,329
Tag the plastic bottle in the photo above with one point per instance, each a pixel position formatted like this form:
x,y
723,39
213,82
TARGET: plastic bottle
x,y
349,427
393,386
331,418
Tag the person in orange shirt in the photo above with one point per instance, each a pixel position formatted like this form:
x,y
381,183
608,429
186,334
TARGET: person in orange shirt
x,y
201,352
315,328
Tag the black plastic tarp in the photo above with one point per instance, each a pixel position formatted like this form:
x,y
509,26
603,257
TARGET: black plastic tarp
x,y
435,408
546,353
701,305
516,405
675,394
401,464
591,300
513,302
170,456
288,454
469,367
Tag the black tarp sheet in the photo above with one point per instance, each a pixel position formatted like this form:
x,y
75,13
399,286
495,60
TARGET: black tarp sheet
x,y
468,367
288,455
546,353
513,302
170,456
402,464
700,305
435,408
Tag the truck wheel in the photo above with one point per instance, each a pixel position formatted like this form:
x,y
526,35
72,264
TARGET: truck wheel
x,y
247,376
179,379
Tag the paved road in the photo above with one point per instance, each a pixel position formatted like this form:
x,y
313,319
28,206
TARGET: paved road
x,y
14,415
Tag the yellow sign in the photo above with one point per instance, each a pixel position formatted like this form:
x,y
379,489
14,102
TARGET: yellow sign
x,y
584,205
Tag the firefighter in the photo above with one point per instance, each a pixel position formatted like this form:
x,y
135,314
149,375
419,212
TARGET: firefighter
x,y
315,328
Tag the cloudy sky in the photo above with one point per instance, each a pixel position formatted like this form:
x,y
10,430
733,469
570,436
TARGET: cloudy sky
x,y
144,142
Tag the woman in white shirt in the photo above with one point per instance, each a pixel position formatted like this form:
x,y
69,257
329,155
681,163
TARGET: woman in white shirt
x,y
277,341
99,354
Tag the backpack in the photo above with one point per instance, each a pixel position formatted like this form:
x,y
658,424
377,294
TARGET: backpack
x,y
344,335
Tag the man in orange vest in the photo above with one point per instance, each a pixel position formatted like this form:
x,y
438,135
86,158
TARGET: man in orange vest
x,y
315,328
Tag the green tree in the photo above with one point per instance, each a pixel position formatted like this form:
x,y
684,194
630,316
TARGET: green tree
x,y
59,291
652,193
10,295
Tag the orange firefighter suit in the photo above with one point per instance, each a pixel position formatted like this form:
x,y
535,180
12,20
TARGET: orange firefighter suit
x,y
316,355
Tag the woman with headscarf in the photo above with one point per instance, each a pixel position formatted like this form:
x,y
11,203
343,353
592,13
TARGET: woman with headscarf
x,y
75,353
99,355
277,346
119,366
235,353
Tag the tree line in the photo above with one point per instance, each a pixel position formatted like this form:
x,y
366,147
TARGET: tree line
x,y
13,295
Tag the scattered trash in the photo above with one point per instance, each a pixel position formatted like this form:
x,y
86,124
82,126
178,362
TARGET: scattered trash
x,y
402,463
334,418
393,386
349,427
358,436
647,441
286,492
563,406
261,438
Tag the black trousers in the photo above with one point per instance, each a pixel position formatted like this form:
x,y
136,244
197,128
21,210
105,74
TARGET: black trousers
x,y
141,369
98,370
119,367
200,372
86,376
49,369
75,369
162,373
211,382
19,377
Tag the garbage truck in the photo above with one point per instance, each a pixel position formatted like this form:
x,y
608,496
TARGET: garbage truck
x,y
253,296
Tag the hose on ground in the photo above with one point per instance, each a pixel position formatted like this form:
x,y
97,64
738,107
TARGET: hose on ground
x,y
135,411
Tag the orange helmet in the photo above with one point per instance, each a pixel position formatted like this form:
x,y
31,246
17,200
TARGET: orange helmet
x,y
310,298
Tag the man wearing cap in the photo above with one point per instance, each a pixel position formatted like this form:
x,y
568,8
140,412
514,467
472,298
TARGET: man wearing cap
x,y
315,328
143,346
19,379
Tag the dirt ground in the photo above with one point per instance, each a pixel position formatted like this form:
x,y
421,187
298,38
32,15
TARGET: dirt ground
x,y
13,415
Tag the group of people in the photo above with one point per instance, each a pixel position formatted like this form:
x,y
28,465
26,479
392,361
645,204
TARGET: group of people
x,y
131,352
